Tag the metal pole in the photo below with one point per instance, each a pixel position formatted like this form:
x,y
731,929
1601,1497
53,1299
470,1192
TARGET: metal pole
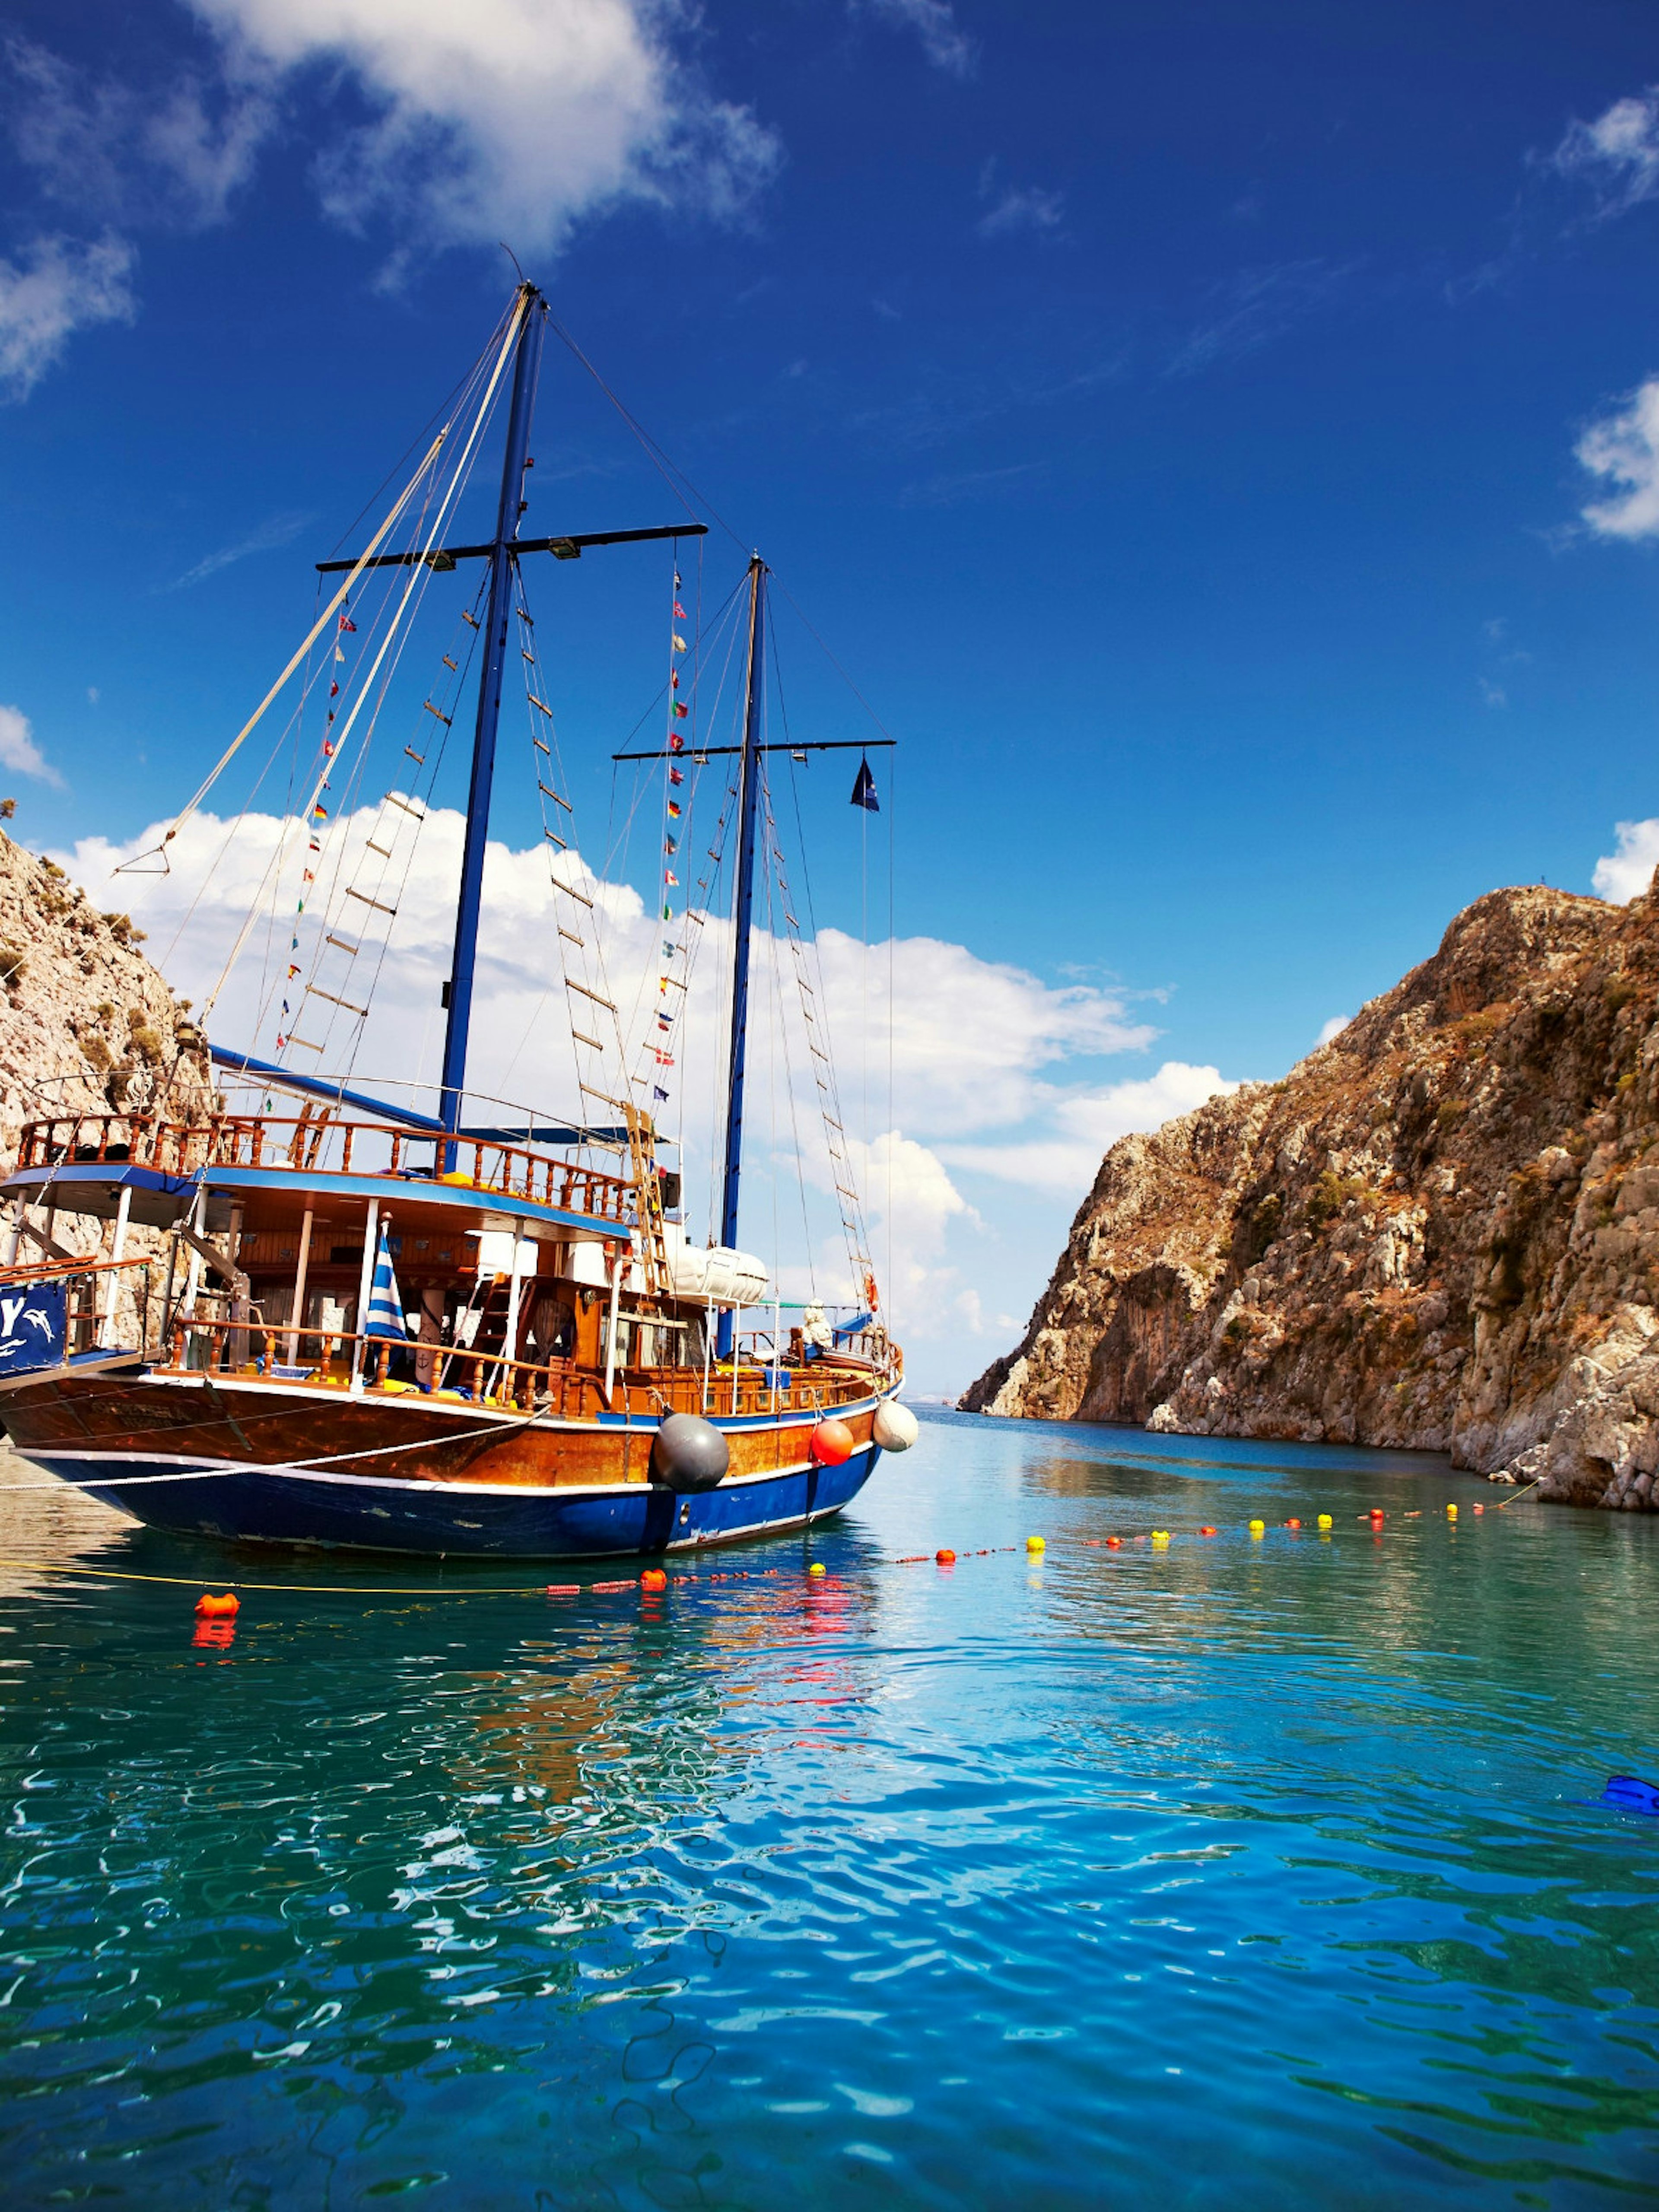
x,y
298,1316
193,1280
617,1266
365,1284
497,623
117,1253
749,792
510,1332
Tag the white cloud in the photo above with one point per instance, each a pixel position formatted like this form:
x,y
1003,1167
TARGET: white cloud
x,y
56,289
1022,207
1626,874
974,1043
947,45
507,118
1256,306
280,530
1618,154
19,751
1010,208
1087,1123
1623,450
1493,694
1333,1028
133,157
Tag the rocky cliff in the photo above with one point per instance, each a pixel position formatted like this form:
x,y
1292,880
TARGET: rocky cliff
x,y
87,1024
1441,1231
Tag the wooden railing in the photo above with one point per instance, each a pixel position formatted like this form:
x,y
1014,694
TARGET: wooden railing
x,y
305,1144
328,1358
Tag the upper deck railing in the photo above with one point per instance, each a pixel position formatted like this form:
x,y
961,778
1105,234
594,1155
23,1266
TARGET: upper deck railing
x,y
307,1145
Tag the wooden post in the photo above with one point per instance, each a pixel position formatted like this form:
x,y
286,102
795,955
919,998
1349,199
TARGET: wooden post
x,y
432,1334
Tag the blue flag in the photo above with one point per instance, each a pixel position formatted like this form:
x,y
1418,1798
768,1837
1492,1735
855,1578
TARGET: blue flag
x,y
864,790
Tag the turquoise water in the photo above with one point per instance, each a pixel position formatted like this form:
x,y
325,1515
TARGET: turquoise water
x,y
1236,1873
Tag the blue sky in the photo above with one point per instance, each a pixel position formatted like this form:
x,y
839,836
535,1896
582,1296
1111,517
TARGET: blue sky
x,y
1218,442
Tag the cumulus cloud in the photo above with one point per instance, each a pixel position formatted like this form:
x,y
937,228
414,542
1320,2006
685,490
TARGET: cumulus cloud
x,y
1085,1124
1623,451
1617,154
1625,874
55,287
18,750
509,117
1333,1028
975,1044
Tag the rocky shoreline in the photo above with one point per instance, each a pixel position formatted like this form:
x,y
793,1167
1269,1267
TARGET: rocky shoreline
x,y
1440,1232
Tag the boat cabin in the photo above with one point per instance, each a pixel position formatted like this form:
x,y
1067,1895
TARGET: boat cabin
x,y
318,1251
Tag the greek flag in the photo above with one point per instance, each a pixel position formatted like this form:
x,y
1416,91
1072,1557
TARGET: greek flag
x,y
385,1306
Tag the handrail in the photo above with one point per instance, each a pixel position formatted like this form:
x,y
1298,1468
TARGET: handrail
x,y
252,1348
307,1145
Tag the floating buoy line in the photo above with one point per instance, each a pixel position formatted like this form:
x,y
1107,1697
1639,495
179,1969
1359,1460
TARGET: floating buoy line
x,y
654,1581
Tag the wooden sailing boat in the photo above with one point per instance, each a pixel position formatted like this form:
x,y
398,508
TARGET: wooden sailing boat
x,y
578,1381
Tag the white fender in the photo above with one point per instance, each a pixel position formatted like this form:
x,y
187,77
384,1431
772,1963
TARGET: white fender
x,y
896,1427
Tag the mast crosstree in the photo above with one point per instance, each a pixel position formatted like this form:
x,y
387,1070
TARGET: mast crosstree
x,y
503,551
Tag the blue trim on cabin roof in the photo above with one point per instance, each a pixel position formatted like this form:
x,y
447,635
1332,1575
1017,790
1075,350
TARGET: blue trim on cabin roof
x,y
395,1191
317,1086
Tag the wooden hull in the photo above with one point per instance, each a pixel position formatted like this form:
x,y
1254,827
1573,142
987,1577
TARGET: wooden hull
x,y
246,1462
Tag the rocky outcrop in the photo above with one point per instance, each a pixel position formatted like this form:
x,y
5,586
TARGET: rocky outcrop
x,y
1440,1231
87,1024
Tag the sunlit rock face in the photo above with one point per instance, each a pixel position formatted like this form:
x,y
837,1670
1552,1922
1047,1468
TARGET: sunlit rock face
x,y
89,1027
87,1024
1440,1231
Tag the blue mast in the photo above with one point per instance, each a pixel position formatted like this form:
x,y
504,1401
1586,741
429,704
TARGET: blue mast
x,y
532,311
749,794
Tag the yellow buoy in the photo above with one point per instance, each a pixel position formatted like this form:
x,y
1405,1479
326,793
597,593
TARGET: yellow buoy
x,y
816,1567
1451,1513
1036,1544
1258,1527
1324,1519
1160,1535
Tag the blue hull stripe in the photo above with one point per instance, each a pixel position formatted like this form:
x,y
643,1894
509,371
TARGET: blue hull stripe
x,y
481,1521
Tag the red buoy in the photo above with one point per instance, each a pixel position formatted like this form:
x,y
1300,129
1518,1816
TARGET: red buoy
x,y
1115,1543
1206,1532
945,1558
209,1607
832,1443
653,1579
